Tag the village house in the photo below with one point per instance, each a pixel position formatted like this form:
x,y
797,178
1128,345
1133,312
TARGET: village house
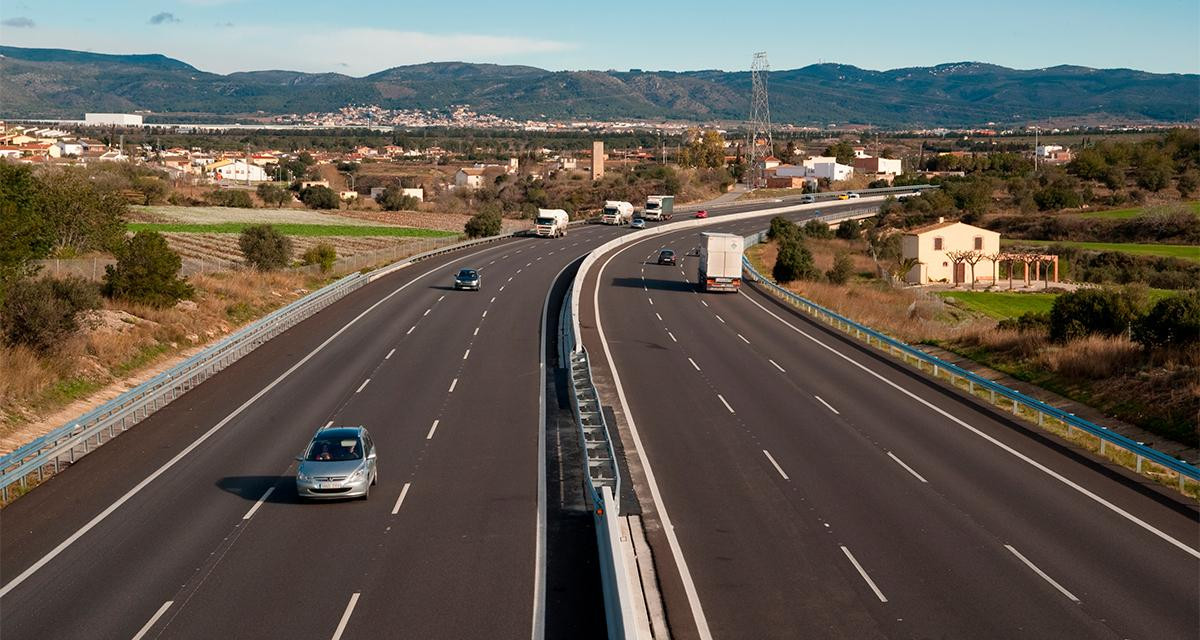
x,y
886,168
469,178
933,247
235,170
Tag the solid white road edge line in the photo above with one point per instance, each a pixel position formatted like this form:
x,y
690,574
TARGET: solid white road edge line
x,y
1041,573
685,576
775,464
429,436
906,467
827,405
91,524
154,618
726,403
250,513
341,628
1024,458
863,573
400,500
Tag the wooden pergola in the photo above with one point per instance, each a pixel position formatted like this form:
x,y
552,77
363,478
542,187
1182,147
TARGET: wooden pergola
x,y
1027,260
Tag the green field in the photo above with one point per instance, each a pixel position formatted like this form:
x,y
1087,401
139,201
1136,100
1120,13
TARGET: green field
x,y
1002,305
1188,251
1133,212
999,305
294,229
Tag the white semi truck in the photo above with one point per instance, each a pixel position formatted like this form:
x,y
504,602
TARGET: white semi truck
x,y
551,223
659,207
721,262
617,212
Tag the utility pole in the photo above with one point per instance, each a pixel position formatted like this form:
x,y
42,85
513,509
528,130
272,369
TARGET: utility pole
x,y
759,141
1035,147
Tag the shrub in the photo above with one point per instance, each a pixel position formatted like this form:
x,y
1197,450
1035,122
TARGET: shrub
x,y
483,224
1092,311
265,248
781,229
41,313
794,262
321,254
393,199
147,271
848,230
1172,322
843,268
319,197
817,229
1026,322
231,198
272,194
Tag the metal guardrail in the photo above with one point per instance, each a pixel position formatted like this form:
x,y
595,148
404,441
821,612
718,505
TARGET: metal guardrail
x,y
79,437
64,445
604,478
1021,404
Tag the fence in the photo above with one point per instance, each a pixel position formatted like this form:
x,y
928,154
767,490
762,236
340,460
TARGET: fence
x,y
46,455
1140,457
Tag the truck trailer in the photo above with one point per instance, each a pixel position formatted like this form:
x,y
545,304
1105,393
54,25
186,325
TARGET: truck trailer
x,y
721,262
617,212
659,207
551,223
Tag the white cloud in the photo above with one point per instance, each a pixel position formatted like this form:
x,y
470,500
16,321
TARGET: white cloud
x,y
224,49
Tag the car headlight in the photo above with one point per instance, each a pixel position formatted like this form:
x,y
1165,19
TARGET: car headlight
x,y
358,475
300,475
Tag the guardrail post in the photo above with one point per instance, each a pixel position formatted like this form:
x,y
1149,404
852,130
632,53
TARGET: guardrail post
x,y
1103,442
1139,464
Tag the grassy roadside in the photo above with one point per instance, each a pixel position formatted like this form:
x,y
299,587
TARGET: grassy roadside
x,y
1133,212
1186,251
1158,392
293,229
124,340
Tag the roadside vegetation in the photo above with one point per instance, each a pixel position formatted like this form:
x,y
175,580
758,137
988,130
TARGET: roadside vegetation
x,y
65,339
1129,351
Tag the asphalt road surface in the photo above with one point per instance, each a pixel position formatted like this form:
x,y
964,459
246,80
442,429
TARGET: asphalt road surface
x,y
816,489
188,525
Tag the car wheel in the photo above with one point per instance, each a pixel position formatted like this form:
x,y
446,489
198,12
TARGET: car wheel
x,y
375,480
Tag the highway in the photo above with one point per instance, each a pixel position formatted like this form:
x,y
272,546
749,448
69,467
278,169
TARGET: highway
x,y
797,514
188,525
812,488
445,547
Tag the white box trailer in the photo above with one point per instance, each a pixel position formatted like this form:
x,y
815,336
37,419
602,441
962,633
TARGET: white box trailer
x,y
659,207
721,262
551,223
617,212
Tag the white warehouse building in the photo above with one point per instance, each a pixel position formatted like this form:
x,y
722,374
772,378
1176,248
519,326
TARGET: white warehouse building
x,y
124,119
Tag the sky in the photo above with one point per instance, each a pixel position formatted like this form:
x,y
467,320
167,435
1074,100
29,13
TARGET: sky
x,y
364,36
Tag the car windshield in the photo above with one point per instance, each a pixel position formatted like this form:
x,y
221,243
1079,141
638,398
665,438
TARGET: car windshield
x,y
467,274
334,449
667,254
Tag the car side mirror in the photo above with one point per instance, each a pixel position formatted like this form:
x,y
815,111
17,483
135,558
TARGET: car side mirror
x,y
299,458
371,456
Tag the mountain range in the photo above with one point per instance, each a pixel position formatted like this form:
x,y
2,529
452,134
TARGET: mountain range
x,y
59,83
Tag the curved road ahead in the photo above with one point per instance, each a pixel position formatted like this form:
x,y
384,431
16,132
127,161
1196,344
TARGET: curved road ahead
x,y
817,489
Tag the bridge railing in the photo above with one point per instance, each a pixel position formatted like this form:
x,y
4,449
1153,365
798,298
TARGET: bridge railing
x,y
1138,456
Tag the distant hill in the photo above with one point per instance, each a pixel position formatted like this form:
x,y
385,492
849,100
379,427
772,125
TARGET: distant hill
x,y
57,83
